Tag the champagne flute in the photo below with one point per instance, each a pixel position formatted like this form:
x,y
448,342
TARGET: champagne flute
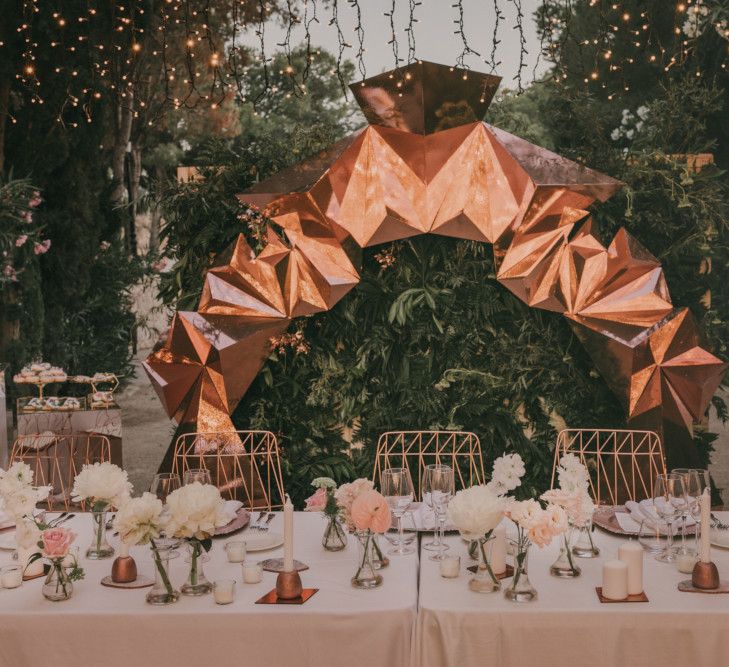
x,y
439,483
163,484
397,487
201,475
697,479
668,501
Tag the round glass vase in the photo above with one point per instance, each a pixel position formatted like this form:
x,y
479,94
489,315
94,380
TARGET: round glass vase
x,y
379,560
197,583
583,546
366,575
162,592
99,548
565,567
334,538
484,580
57,586
521,589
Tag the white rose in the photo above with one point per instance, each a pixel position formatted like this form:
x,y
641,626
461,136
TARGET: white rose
x,y
102,483
476,511
139,520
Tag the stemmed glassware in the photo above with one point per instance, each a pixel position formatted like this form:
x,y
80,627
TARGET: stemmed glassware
x,y
669,501
695,481
164,483
397,488
438,486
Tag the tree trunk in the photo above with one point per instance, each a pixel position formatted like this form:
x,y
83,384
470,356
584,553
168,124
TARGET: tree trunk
x,y
4,108
160,178
134,175
124,117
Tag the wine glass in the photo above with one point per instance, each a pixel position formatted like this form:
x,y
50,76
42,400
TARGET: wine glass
x,y
438,483
685,473
397,487
164,483
697,479
669,501
201,475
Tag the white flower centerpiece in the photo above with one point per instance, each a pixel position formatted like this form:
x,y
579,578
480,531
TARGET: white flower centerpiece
x,y
104,486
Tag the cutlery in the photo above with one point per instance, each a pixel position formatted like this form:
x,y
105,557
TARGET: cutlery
x,y
256,525
718,524
269,518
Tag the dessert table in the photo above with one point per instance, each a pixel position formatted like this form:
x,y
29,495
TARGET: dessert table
x,y
568,625
117,628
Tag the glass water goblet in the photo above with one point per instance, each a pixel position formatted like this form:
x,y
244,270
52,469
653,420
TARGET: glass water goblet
x,y
669,501
193,475
397,488
163,484
439,483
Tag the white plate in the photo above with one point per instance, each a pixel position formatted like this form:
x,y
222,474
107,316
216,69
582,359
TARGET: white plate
x,y
720,538
7,542
257,540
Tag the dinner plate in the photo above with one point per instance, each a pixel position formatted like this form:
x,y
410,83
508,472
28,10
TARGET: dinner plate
x,y
257,540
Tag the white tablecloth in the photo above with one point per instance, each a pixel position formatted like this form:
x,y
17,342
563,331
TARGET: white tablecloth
x,y
116,628
567,625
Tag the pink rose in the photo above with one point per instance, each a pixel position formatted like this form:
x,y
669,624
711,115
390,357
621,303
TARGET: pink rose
x,y
20,241
371,512
317,501
42,247
35,200
57,542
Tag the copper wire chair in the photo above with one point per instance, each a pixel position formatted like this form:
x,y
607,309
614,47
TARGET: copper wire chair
x,y
244,465
415,450
623,464
56,459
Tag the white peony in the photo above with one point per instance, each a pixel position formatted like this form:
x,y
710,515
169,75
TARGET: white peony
x,y
140,520
195,511
507,473
18,472
476,511
27,535
102,484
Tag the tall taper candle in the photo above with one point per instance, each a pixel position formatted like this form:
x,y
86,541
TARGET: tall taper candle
x,y
288,559
705,543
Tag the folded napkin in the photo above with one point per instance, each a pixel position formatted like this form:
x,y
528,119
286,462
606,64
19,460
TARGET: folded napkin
x,y
645,511
424,517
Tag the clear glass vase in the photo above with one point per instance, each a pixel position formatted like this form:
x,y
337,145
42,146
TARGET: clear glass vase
x,y
565,566
57,586
521,589
584,547
163,592
366,575
99,548
334,539
196,583
379,560
484,580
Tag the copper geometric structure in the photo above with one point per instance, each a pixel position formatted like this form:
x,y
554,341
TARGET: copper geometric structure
x,y
623,464
415,450
426,163
57,458
244,465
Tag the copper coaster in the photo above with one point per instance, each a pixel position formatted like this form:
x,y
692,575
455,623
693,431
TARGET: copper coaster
x,y
686,586
276,565
509,572
140,582
270,597
631,598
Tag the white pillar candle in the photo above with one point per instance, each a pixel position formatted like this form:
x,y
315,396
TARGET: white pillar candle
x,y
288,558
705,542
615,580
497,550
450,567
11,577
252,573
631,553
236,552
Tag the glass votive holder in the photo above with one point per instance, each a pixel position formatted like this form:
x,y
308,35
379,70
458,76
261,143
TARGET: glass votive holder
x,y
236,551
224,591
11,576
252,572
450,567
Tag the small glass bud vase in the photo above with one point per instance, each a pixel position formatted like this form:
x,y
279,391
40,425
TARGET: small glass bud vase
x,y
162,592
99,548
334,539
366,575
379,560
584,547
57,586
521,589
484,580
197,583
565,566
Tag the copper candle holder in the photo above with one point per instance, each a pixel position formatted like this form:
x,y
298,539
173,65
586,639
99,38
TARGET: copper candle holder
x,y
124,570
288,585
705,576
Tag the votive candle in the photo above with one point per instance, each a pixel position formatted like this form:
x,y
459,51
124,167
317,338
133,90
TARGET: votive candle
x,y
686,562
631,553
615,580
450,567
252,572
224,591
11,576
236,551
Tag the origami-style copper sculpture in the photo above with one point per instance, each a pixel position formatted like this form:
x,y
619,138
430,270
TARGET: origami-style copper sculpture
x,y
426,163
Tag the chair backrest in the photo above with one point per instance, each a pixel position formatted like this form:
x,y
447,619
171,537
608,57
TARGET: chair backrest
x,y
56,459
623,464
244,465
415,450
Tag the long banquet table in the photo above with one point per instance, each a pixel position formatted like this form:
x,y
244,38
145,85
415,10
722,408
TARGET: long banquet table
x,y
567,625
116,628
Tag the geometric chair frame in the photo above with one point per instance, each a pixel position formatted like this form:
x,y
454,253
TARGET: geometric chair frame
x,y
415,450
623,463
57,458
244,465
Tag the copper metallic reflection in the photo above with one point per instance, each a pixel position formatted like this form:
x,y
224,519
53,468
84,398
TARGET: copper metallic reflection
x,y
427,164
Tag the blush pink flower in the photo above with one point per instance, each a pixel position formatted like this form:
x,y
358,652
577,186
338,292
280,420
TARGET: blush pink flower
x,y
371,512
35,200
541,534
42,247
57,542
20,241
317,501
28,216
